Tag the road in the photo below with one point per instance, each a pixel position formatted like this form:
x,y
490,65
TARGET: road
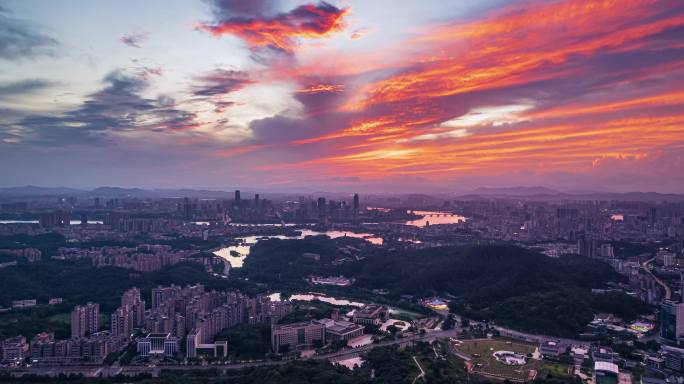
x,y
132,370
422,372
668,291
107,371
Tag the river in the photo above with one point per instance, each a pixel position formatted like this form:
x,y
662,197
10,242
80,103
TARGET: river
x,y
311,296
72,222
236,254
435,217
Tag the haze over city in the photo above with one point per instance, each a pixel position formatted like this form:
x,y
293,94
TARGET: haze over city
x,y
343,96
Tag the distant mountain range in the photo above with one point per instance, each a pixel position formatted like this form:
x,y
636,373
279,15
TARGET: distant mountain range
x,y
514,191
31,191
543,193
520,193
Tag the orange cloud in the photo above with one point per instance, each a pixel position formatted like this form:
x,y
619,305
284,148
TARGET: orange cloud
x,y
551,87
282,30
511,48
322,88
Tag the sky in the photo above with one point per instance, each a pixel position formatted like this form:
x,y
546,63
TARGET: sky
x,y
382,95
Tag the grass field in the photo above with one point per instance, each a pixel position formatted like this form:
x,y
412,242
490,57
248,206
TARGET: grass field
x,y
482,353
62,318
556,370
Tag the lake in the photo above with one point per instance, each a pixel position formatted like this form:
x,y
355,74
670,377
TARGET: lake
x,y
435,217
243,249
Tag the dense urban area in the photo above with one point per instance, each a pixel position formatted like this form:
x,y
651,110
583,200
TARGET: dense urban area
x,y
190,286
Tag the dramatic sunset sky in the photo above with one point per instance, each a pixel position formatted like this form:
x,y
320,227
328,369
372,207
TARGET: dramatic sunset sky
x,y
349,95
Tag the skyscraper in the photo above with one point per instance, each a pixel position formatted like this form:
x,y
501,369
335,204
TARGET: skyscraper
x,y
321,207
671,321
85,319
121,322
132,301
356,202
237,197
161,294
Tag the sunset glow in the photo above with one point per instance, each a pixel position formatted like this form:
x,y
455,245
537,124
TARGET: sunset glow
x,y
566,93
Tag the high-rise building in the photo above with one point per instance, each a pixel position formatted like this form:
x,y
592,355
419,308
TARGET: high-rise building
x,y
256,200
606,251
356,202
321,207
161,294
55,219
136,306
671,321
122,322
187,208
14,349
237,197
586,247
85,319
652,215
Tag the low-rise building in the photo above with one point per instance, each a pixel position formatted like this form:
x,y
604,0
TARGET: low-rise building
x,y
371,314
297,335
551,348
195,347
338,330
674,358
604,354
18,304
158,344
14,349
606,373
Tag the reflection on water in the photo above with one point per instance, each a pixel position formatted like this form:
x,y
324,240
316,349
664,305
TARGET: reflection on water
x,y
311,296
326,299
236,254
435,217
72,222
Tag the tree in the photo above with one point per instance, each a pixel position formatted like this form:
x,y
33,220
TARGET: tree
x,y
284,349
448,322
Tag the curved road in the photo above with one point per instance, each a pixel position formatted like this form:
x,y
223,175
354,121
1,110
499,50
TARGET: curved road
x,y
668,291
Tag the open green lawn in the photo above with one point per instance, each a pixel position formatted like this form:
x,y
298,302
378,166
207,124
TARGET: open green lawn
x,y
62,318
482,352
555,369
32,321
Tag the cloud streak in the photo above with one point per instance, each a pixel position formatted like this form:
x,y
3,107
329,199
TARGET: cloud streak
x,y
22,87
221,82
116,109
502,94
134,39
21,39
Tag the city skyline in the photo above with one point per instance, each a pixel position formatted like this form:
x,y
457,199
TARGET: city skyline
x,y
343,96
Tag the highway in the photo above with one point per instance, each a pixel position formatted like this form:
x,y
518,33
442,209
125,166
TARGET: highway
x,y
668,291
132,370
